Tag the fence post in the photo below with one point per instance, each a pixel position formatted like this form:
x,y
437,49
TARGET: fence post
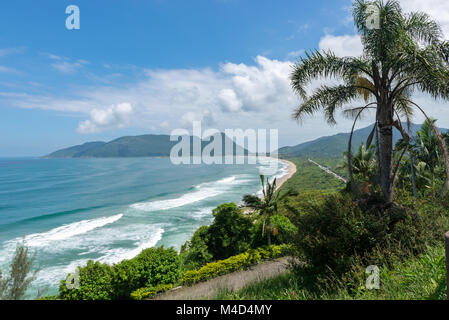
x,y
446,242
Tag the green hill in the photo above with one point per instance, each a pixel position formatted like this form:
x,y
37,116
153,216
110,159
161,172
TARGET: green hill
x,y
334,146
132,146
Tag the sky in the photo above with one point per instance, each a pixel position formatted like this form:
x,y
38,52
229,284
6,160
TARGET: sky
x,y
152,66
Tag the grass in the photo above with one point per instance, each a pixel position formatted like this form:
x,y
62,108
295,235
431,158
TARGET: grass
x,y
420,278
310,177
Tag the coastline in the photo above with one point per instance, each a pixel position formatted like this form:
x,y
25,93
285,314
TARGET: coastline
x,y
291,170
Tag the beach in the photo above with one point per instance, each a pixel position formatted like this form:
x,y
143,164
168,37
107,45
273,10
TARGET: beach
x,y
291,170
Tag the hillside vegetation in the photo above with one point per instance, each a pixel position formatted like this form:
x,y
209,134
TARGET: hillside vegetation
x,y
137,146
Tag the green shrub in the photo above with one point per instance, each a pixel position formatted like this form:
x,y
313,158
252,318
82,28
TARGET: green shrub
x,y
233,263
195,253
340,233
286,231
150,292
159,266
95,283
229,234
152,267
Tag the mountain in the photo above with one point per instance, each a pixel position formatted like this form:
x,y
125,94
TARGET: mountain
x,y
334,146
132,146
76,151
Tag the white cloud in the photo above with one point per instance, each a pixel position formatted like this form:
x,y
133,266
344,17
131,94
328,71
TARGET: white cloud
x,y
229,100
437,9
69,67
4,69
206,117
235,96
9,51
115,116
342,46
295,54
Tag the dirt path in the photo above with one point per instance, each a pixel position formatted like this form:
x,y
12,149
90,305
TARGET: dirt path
x,y
233,281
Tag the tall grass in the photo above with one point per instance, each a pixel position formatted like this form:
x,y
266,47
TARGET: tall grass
x,y
420,278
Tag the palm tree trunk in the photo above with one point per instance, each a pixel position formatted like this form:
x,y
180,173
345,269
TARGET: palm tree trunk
x,y
412,169
269,231
386,158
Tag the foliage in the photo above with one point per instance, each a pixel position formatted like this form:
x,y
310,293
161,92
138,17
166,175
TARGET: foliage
x,y
267,206
340,233
424,157
229,233
283,231
363,163
309,177
150,292
419,278
99,281
405,54
234,263
21,274
195,252
95,283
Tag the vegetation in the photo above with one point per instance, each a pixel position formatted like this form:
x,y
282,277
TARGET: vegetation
x,y
265,207
420,278
310,178
150,292
134,146
21,274
234,263
405,54
422,167
99,281
228,235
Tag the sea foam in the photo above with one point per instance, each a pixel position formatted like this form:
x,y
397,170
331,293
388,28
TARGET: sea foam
x,y
68,231
203,191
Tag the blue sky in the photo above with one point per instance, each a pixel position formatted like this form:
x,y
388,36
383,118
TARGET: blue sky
x,y
138,67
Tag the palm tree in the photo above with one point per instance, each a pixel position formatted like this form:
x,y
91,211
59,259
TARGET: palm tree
x,y
364,162
423,147
406,54
265,207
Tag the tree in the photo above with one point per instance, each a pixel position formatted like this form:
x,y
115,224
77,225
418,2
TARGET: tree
x,y
267,206
14,286
364,162
229,234
423,148
405,54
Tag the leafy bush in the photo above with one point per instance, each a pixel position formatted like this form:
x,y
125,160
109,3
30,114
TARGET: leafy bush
x,y
150,292
283,231
152,267
195,252
229,234
234,263
95,283
340,233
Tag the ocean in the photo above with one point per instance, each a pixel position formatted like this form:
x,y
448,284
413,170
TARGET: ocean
x,y
69,211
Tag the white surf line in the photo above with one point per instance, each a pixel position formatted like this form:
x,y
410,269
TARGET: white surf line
x,y
326,169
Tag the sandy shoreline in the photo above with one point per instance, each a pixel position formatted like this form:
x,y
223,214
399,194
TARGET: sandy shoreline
x,y
291,170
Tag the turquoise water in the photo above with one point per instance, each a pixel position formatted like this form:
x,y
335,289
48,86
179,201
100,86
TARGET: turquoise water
x,y
71,210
